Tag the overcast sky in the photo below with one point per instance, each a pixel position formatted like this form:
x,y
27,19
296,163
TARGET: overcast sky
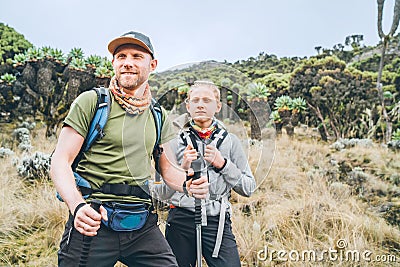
x,y
185,31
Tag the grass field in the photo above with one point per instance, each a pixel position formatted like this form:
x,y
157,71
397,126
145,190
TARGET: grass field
x,y
317,206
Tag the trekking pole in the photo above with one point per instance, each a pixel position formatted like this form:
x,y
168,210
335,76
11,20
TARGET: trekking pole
x,y
87,240
196,166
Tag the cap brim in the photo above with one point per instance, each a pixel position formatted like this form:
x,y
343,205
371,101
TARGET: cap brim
x,y
114,44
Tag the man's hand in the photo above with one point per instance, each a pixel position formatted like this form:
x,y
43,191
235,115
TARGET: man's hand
x,y
87,221
198,188
214,157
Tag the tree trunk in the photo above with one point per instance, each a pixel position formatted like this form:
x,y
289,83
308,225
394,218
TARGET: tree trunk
x,y
289,130
294,119
322,132
386,38
388,131
333,122
322,129
285,116
278,128
235,98
224,109
255,129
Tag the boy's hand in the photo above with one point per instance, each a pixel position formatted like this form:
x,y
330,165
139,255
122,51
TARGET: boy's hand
x,y
198,188
189,154
214,157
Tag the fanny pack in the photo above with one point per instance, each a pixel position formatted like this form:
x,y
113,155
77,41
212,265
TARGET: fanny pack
x,y
125,217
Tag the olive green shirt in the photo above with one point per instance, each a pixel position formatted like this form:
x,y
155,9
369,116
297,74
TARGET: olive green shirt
x,y
123,155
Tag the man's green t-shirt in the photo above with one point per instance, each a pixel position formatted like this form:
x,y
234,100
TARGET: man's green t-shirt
x,y
123,155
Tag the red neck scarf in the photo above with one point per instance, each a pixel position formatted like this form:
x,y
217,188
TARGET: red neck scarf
x,y
204,133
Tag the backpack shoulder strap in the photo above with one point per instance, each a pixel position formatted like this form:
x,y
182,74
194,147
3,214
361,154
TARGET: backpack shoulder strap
x,y
100,117
218,137
189,138
156,111
98,122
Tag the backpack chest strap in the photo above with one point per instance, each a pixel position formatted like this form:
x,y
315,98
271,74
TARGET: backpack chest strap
x,y
217,137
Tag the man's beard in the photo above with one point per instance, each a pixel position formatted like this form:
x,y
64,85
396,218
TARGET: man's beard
x,y
130,83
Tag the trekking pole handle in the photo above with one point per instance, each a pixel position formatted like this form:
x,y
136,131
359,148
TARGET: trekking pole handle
x,y
95,204
196,166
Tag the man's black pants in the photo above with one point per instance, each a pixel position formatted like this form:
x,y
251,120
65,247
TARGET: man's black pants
x,y
180,233
144,247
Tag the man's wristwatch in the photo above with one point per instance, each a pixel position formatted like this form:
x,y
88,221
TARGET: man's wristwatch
x,y
80,205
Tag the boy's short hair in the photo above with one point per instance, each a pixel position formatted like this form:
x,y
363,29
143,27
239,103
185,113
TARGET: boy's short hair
x,y
208,84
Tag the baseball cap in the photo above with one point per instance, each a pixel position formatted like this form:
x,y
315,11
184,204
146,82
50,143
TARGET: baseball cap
x,y
132,37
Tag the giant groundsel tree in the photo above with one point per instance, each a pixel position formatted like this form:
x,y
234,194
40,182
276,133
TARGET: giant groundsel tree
x,y
385,40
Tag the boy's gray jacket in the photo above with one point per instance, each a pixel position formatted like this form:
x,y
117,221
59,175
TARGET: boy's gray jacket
x,y
235,175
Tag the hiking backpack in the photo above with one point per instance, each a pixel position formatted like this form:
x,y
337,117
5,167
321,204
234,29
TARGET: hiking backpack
x,y
96,132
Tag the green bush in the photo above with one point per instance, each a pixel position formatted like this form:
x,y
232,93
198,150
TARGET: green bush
x,y
8,78
396,135
57,55
107,63
94,60
275,116
11,43
76,53
283,103
46,51
77,63
103,72
19,59
298,105
258,91
34,54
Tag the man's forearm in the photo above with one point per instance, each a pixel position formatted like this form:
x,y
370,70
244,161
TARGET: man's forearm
x,y
172,173
64,181
174,178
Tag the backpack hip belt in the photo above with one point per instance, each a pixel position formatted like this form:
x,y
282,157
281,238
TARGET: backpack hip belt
x,y
124,190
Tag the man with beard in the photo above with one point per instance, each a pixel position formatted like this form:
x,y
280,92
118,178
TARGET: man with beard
x,y
125,228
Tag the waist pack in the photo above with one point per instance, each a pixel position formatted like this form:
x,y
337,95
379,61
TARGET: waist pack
x,y
125,217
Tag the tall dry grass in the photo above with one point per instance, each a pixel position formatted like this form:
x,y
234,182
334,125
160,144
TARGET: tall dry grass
x,y
298,206
298,209
31,218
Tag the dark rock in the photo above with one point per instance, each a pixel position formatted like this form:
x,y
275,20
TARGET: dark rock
x,y
29,75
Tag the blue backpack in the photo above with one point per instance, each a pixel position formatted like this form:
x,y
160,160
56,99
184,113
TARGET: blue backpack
x,y
96,132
